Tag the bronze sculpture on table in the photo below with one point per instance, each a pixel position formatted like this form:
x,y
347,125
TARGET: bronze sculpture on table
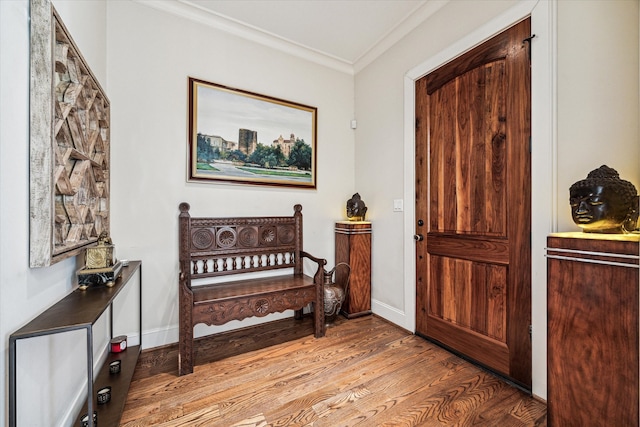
x,y
356,209
604,203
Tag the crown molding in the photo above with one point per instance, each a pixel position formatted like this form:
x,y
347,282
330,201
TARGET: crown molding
x,y
188,10
416,17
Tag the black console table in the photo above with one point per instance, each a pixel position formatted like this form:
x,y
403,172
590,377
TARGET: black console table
x,y
80,310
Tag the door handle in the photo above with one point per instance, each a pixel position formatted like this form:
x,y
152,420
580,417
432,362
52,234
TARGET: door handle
x,y
418,237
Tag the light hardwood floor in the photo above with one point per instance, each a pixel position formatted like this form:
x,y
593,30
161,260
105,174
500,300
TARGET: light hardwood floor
x,y
365,372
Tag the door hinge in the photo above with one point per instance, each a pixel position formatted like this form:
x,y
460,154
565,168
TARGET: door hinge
x,y
528,42
529,143
417,123
530,330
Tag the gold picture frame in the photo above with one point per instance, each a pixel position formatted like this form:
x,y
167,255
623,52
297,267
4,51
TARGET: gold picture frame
x,y
240,137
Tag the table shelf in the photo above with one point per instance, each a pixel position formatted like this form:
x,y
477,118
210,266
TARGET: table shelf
x,y
77,311
109,413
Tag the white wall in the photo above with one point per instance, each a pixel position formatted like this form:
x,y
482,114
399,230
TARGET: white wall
x,y
150,54
25,292
385,116
597,94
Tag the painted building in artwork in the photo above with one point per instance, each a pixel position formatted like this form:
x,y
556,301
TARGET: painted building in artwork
x,y
247,141
219,142
285,144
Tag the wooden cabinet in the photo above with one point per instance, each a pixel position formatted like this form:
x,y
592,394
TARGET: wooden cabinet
x,y
80,310
353,246
592,331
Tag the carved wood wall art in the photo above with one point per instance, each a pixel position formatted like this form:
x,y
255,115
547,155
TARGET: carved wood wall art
x,y
70,144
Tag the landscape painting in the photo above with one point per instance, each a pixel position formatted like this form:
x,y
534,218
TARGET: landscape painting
x,y
242,137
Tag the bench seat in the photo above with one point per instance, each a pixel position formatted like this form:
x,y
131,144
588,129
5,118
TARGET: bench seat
x,y
224,247
251,287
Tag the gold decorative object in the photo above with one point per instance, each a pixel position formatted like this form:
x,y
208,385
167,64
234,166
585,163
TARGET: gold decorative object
x,y
101,255
100,266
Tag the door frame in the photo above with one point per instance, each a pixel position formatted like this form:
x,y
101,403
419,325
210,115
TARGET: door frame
x,y
543,161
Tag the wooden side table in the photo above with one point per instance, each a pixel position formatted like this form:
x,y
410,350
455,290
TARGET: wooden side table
x,y
353,246
592,330
80,310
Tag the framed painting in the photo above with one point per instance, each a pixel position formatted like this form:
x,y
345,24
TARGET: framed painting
x,y
242,137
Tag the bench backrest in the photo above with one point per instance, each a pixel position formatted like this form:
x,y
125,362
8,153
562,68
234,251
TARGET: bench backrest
x,y
212,247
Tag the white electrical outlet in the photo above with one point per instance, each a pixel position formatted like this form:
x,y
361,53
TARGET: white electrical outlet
x,y
398,205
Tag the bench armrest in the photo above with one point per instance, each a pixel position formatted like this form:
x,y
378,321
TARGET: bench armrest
x,y
321,263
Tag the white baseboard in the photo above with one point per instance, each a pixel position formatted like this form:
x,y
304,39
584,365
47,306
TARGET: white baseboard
x,y
391,314
159,337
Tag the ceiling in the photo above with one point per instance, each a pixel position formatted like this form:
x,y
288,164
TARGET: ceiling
x,y
343,34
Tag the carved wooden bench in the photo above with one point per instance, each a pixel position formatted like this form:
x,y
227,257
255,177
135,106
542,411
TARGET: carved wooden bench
x,y
212,247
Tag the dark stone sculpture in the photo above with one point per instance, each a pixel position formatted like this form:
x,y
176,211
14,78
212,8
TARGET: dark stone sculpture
x,y
356,209
604,203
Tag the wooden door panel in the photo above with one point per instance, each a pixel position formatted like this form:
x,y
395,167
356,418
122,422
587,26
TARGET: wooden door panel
x,y
473,281
468,153
469,294
491,353
494,251
498,48
442,128
495,151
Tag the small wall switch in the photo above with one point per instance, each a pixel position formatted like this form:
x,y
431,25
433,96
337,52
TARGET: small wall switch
x,y
354,124
398,205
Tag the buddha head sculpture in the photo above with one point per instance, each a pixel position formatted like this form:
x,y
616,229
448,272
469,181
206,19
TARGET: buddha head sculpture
x,y
356,209
604,203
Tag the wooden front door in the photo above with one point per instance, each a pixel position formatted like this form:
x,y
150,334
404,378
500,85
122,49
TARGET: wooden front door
x,y
473,204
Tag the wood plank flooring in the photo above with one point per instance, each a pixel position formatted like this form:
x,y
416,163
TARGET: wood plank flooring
x,y
365,372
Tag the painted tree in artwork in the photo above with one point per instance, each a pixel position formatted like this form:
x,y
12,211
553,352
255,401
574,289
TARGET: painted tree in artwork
x,y
300,155
267,156
206,152
236,156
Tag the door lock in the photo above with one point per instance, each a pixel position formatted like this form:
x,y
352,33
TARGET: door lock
x,y
418,237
